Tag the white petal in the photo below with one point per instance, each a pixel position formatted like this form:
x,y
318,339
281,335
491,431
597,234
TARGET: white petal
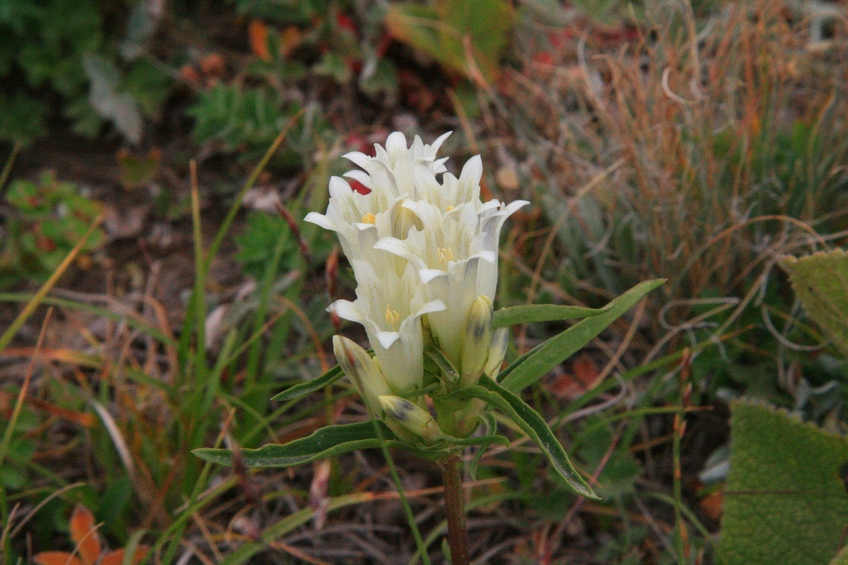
x,y
387,339
438,143
360,176
357,158
320,220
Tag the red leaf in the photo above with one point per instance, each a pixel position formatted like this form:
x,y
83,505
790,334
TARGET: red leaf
x,y
55,558
257,32
117,557
84,535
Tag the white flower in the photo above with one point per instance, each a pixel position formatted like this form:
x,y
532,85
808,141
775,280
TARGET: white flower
x,y
360,220
456,256
390,308
419,248
390,173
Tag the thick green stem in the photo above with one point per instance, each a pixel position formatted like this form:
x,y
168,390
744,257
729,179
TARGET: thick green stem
x,y
455,508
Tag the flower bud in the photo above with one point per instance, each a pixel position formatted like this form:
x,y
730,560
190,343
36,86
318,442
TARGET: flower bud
x,y
362,370
497,352
478,337
411,416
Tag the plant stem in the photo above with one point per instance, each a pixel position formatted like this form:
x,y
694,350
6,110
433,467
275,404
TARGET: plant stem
x,y
455,508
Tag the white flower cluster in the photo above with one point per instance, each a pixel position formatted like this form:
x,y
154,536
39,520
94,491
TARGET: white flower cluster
x,y
419,248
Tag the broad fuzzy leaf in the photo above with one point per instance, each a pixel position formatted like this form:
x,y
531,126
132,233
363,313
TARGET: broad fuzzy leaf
x,y
785,500
821,282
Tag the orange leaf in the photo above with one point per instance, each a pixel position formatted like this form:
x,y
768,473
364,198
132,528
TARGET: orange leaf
x,y
290,38
55,558
117,557
257,31
84,535
585,370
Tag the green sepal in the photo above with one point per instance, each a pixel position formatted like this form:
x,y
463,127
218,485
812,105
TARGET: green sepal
x,y
541,359
302,389
446,367
526,314
321,444
532,424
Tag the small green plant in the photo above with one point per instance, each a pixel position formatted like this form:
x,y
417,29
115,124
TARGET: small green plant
x,y
424,255
68,48
46,219
246,120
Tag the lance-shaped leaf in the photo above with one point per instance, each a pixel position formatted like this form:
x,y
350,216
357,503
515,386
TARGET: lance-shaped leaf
x,y
526,314
548,355
321,444
532,424
302,389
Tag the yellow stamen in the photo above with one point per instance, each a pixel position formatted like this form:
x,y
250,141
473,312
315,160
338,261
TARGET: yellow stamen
x,y
449,208
392,317
445,255
369,219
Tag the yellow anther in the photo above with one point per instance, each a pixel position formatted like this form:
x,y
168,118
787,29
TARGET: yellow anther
x,y
445,255
369,219
449,208
392,317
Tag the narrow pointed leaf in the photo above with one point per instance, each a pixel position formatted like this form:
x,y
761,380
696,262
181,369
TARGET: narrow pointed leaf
x,y
302,389
543,313
532,424
548,355
483,441
323,443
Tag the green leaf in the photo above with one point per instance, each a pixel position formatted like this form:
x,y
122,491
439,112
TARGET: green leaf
x,y
484,24
543,313
785,500
416,25
455,30
532,366
321,444
821,283
302,389
119,107
532,424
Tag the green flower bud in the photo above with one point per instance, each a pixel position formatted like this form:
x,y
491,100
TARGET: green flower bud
x,y
497,352
478,338
363,372
411,417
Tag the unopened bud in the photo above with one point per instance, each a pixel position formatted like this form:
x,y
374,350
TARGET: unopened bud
x,y
497,352
362,370
478,337
412,417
